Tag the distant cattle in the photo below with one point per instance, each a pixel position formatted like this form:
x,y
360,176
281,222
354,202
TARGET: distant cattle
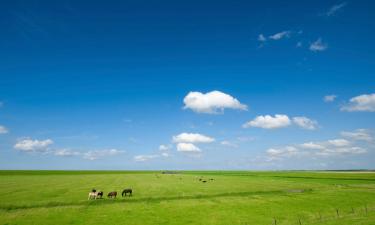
x,y
112,194
204,181
99,194
127,190
93,195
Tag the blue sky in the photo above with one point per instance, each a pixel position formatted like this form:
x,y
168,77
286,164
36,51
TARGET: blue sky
x,y
187,85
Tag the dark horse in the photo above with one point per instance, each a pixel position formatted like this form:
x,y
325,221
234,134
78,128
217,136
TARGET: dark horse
x,y
125,191
112,194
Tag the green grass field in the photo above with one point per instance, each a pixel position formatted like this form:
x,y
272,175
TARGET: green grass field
x,y
233,197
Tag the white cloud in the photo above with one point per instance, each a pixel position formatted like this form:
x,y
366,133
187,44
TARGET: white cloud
x,y
364,103
312,145
96,154
262,38
165,154
318,46
3,130
192,138
164,147
188,148
329,148
280,35
358,135
229,144
66,152
143,158
212,102
269,122
299,44
278,153
335,8
329,98
339,142
30,145
305,123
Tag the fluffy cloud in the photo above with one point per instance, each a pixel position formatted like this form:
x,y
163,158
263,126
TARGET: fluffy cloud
x,y
269,122
358,135
212,102
335,8
365,103
318,46
143,158
192,138
30,145
3,130
329,98
188,148
280,35
305,123
96,154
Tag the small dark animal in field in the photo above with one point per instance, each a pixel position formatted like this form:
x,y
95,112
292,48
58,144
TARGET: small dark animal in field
x,y
211,179
99,194
112,194
200,179
204,181
125,191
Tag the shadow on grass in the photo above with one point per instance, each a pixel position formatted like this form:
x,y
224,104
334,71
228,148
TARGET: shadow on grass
x,y
149,199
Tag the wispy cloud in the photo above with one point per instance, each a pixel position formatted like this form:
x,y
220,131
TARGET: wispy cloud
x,y
229,144
305,122
318,46
262,38
3,129
335,8
144,158
328,148
97,154
329,98
280,35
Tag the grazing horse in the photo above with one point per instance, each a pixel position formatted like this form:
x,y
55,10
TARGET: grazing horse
x,y
100,194
93,195
125,191
112,194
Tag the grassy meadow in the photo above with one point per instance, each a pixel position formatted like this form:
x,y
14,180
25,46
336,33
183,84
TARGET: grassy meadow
x,y
232,197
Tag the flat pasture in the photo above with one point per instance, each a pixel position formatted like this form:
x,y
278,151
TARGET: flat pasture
x,y
227,197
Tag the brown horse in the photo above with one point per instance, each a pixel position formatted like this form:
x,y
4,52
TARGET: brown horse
x,y
125,191
112,194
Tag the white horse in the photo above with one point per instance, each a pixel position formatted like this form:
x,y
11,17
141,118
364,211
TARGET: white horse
x,y
93,195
